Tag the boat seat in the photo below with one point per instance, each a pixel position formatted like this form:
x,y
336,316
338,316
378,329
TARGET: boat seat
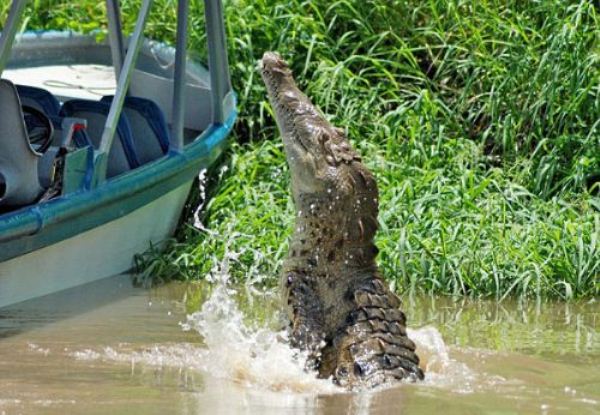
x,y
19,183
122,156
44,101
148,127
39,99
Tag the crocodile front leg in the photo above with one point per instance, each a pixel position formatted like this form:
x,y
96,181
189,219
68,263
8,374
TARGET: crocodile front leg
x,y
306,316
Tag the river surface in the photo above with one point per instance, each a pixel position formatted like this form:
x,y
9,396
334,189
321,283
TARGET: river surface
x,y
108,348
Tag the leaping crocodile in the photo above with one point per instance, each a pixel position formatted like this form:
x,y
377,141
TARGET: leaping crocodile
x,y
340,309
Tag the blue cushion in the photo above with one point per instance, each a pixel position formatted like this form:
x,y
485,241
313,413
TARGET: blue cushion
x,y
46,102
39,98
78,107
154,118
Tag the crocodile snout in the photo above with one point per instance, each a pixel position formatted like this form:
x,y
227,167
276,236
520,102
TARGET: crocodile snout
x,y
273,62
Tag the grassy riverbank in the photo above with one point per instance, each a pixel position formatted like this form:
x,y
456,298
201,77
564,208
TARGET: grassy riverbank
x,y
480,121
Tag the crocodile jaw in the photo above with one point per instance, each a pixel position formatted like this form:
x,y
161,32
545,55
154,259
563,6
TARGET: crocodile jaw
x,y
335,195
305,132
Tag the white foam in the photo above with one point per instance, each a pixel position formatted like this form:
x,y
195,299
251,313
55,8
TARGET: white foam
x,y
252,356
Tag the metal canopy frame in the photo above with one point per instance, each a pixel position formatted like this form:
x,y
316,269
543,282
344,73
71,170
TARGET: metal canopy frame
x,y
115,34
124,75
183,9
124,63
10,31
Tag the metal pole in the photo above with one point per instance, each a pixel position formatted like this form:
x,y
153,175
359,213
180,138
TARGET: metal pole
x,y
115,35
179,75
124,79
217,57
10,31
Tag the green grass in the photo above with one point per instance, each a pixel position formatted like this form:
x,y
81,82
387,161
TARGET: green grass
x,y
480,119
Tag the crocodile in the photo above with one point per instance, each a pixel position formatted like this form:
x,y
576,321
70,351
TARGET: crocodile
x,y
340,310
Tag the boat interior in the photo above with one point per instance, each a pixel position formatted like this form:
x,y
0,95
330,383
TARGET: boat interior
x,y
63,93
55,96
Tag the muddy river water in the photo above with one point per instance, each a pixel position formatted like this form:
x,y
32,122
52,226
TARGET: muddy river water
x,y
108,348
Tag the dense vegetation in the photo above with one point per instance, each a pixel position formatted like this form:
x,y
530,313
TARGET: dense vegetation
x,y
480,119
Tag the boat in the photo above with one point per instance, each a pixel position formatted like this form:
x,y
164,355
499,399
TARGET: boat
x,y
100,143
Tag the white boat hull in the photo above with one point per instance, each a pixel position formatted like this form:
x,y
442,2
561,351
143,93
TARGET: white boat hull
x,y
101,252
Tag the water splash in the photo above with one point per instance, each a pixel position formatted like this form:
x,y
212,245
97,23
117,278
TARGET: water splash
x,y
202,189
256,356
440,368
246,354
202,179
249,355
234,350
